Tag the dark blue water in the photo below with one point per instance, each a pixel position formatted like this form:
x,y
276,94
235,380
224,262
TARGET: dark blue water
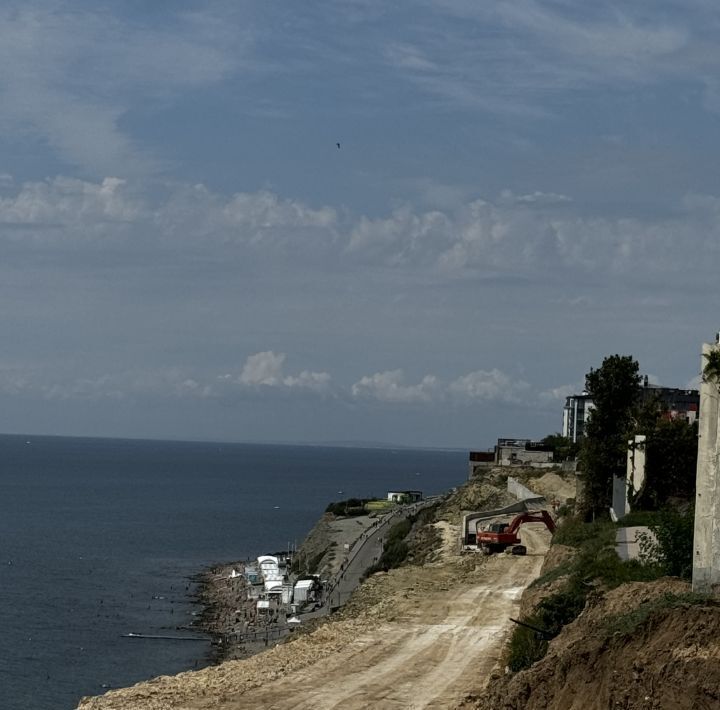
x,y
100,537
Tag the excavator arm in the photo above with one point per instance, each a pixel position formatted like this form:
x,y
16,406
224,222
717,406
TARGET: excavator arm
x,y
541,516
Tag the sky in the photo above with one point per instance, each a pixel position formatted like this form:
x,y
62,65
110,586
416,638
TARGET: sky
x,y
521,188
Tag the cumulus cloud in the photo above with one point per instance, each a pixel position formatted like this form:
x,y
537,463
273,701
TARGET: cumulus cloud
x,y
265,369
488,385
67,202
389,386
262,369
478,386
529,234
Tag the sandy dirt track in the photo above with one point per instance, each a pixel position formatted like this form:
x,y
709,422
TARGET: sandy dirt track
x,y
429,636
438,648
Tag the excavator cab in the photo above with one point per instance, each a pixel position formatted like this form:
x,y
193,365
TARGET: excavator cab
x,y
498,527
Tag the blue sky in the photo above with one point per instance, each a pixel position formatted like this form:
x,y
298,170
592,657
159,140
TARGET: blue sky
x,y
521,189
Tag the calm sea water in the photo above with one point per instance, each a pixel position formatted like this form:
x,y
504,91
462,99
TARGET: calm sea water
x,y
99,538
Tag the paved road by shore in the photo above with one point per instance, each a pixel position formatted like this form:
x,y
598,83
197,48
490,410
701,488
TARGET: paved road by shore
x,y
366,551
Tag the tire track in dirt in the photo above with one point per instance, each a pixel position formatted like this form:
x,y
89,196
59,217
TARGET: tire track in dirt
x,y
414,665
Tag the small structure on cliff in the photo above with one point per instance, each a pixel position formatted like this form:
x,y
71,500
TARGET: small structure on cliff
x,y
404,497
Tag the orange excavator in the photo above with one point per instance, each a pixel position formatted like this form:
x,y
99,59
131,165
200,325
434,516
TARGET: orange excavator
x,y
498,537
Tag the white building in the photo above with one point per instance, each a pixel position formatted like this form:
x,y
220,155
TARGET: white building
x,y
575,413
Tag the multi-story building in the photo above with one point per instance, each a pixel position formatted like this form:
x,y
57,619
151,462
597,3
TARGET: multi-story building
x,y
575,412
680,404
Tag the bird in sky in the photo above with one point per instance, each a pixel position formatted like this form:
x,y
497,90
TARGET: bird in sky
x,y
338,145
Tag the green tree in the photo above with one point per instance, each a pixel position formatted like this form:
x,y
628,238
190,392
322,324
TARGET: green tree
x,y
671,447
564,449
711,371
615,390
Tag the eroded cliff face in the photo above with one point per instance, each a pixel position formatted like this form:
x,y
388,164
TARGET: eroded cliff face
x,y
642,645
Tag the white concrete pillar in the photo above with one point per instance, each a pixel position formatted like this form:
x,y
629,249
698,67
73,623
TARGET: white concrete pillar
x,y
706,543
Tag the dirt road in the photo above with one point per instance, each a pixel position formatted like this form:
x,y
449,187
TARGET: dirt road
x,y
437,648
418,637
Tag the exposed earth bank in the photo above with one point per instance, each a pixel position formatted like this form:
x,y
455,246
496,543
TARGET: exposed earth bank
x,y
637,646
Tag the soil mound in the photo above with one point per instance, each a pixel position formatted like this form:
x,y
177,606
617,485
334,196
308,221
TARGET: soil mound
x,y
642,645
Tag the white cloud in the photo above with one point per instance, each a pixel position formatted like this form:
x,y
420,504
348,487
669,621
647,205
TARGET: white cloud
x,y
389,386
68,202
531,234
561,392
478,386
265,210
402,238
488,385
537,198
265,369
262,369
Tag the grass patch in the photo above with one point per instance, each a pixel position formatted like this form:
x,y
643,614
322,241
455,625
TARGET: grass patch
x,y
395,549
624,625
352,507
563,570
575,533
308,566
373,506
526,646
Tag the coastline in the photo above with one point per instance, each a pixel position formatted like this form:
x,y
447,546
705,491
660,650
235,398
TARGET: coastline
x,y
416,626
228,611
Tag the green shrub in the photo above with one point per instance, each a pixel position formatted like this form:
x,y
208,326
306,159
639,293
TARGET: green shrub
x,y
639,517
574,532
352,507
560,609
526,647
398,532
395,549
595,561
626,624
672,545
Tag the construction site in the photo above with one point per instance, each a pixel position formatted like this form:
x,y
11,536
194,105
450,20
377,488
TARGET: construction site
x,y
438,631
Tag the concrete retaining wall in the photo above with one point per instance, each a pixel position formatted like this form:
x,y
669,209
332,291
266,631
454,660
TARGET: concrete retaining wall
x,y
515,488
471,520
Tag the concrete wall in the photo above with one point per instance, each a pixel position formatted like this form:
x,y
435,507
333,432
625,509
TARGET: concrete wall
x,y
619,497
636,463
520,456
706,545
517,489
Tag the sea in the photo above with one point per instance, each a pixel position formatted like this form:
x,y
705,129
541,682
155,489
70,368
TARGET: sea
x,y
102,537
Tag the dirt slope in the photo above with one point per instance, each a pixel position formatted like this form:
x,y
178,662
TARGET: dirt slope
x,y
668,660
422,637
